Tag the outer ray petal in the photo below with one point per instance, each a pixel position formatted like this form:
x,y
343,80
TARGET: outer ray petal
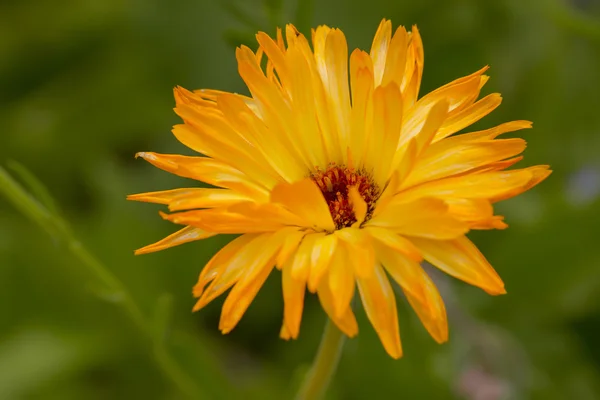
x,y
347,322
420,291
469,115
461,259
379,49
387,126
323,250
255,273
440,162
394,241
456,95
301,263
341,283
207,170
422,138
355,242
189,198
380,305
425,217
395,62
225,268
293,298
185,235
492,185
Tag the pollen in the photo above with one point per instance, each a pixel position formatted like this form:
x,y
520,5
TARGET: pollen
x,y
335,183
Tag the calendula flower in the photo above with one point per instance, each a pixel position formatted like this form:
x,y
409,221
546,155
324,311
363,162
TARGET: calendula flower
x,y
337,174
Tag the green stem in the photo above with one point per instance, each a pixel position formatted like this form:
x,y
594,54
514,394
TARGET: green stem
x,y
58,229
318,378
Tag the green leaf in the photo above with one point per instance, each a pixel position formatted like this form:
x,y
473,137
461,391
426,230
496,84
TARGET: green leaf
x,y
35,186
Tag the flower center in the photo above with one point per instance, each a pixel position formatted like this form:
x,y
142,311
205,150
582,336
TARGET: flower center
x,y
335,182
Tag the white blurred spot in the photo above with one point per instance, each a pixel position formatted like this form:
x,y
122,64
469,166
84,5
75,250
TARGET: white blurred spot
x,y
583,186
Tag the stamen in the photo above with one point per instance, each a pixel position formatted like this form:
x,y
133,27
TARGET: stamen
x,y
350,194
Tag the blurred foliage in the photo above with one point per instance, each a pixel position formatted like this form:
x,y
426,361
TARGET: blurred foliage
x,y
86,84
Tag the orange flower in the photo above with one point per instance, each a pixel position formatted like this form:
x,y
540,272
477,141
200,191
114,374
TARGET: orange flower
x,y
340,177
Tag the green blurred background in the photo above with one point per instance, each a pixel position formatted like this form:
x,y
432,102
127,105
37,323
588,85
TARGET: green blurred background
x,y
84,84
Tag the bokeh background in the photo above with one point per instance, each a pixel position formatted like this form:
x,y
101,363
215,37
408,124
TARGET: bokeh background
x,y
86,84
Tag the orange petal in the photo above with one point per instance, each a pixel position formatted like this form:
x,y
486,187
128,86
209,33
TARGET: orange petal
x,y
185,235
492,185
341,283
206,169
289,247
185,199
392,240
422,133
322,253
225,268
420,291
395,61
443,161
256,268
380,305
425,217
304,198
293,300
347,322
379,49
301,263
386,130
461,259
469,115
357,243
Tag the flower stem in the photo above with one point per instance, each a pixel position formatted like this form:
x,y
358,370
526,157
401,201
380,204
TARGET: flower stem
x,y
318,378
47,218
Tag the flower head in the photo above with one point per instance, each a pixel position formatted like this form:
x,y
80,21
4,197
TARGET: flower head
x,y
338,175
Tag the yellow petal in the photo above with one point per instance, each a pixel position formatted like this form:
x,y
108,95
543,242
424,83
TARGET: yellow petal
x,y
304,198
347,322
456,95
322,253
202,139
379,49
380,305
359,206
206,169
293,300
189,198
469,115
461,259
425,217
336,60
386,129
395,61
361,114
303,77
341,283
492,185
419,290
394,241
276,152
422,137
301,264
357,243
256,268
538,174
289,247
185,235
440,161
225,268
222,221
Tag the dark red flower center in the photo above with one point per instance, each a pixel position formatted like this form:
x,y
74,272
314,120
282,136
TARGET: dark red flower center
x,y
335,182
